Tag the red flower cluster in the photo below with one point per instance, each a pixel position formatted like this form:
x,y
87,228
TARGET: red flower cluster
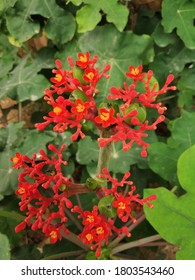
x,y
97,228
44,192
75,91
130,125
124,203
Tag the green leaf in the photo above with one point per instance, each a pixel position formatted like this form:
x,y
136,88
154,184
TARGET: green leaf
x,y
88,151
90,15
163,39
61,27
179,14
87,18
20,24
186,168
163,160
120,50
8,54
33,142
172,59
4,247
6,4
24,83
121,161
169,208
75,2
163,157
186,87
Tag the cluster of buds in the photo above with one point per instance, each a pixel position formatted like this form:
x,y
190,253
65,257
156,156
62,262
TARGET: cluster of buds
x,y
46,193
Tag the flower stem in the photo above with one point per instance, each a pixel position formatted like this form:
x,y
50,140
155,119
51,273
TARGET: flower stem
x,y
130,228
137,243
104,154
103,160
75,239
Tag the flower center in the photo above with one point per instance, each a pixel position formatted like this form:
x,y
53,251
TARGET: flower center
x,y
89,236
15,160
90,219
80,108
99,230
121,205
57,110
58,77
21,190
83,58
53,234
90,75
135,71
105,116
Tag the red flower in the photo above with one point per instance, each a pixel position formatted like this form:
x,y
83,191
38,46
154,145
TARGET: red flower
x,y
123,207
83,61
106,117
91,75
18,161
135,73
80,109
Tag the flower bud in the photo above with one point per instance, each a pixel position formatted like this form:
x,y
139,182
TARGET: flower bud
x,y
141,112
105,206
78,94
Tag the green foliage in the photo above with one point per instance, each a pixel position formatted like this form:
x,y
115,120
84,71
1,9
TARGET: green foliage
x,y
89,15
172,216
4,247
179,14
163,156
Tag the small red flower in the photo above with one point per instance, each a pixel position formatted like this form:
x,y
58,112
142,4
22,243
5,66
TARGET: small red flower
x,y
91,75
123,207
135,72
80,108
83,61
17,161
106,117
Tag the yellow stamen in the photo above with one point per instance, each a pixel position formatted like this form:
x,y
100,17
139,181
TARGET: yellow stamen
x,y
53,234
89,236
105,116
134,71
15,160
57,110
90,75
80,108
99,230
83,58
90,219
21,190
58,77
121,205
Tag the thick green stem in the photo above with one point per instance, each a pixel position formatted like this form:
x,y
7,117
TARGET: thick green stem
x,y
103,162
104,154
